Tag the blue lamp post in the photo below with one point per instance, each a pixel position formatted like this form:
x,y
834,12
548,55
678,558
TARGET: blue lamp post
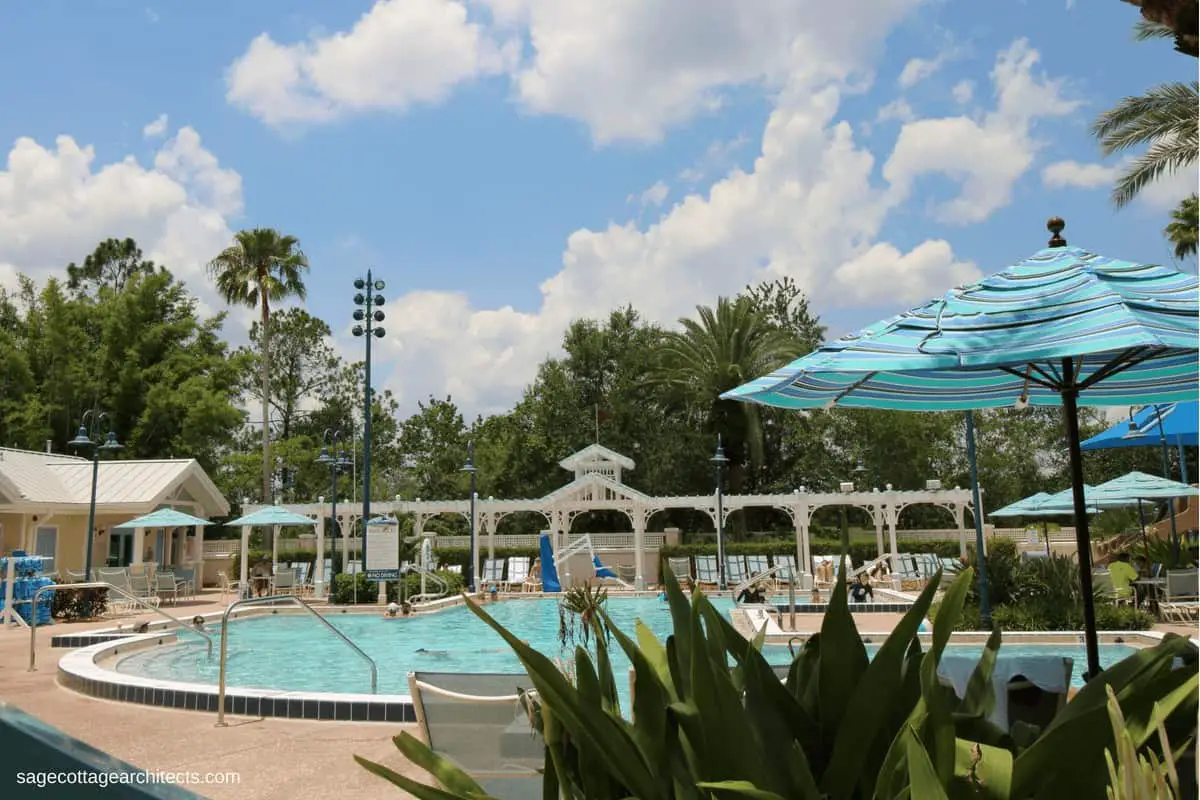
x,y
469,468
719,461
368,315
84,440
337,464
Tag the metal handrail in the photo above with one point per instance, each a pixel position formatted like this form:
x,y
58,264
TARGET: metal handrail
x,y
758,577
295,601
430,574
111,588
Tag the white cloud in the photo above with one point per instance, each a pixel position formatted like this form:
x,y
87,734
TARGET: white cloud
x,y
1073,174
156,128
656,195
917,70
897,109
986,157
963,91
57,204
717,158
1161,195
399,53
806,209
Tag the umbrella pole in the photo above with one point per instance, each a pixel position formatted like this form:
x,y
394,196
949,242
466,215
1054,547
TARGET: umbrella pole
x,y
1083,544
1145,541
1166,459
985,608
1046,533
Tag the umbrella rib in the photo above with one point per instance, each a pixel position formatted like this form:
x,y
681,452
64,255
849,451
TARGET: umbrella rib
x,y
1027,376
852,387
1127,359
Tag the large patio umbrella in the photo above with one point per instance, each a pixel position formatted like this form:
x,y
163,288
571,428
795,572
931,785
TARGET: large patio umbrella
x,y
1063,327
273,516
1135,487
163,518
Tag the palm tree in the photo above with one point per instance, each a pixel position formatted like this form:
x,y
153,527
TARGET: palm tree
x,y
1170,19
1165,118
1182,230
260,266
724,348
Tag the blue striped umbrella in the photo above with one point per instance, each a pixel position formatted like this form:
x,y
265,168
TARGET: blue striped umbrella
x,y
1063,327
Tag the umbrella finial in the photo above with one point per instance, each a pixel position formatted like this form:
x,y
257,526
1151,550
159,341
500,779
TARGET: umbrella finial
x,y
1055,226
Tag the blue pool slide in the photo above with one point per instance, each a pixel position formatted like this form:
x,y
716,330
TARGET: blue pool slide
x,y
550,581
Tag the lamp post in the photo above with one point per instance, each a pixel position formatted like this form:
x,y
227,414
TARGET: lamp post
x,y
337,464
719,461
88,427
368,314
469,468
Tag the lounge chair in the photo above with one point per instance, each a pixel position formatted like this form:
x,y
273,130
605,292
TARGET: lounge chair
x,y
229,587
533,581
1181,600
117,603
284,582
518,571
706,571
478,722
142,589
493,573
681,568
757,565
735,570
787,569
824,569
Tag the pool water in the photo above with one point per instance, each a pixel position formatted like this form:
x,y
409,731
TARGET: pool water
x,y
294,652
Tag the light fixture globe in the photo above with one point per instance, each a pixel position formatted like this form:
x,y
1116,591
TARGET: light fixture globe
x,y
379,286
359,315
378,316
379,333
81,439
359,299
357,330
359,283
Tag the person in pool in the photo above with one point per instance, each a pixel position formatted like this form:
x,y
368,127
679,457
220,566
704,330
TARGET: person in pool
x,y
392,611
860,590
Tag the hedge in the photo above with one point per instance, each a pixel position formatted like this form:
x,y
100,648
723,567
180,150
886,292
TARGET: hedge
x,y
368,591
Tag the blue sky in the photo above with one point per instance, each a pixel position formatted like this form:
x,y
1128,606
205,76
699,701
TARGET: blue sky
x,y
469,153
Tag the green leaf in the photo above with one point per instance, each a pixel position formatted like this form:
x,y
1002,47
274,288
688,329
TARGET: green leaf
x,y
980,699
591,728
415,788
786,734
921,775
842,664
981,772
446,772
742,788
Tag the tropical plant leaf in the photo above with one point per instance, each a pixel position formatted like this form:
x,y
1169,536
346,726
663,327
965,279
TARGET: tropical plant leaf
x,y
843,661
742,788
980,697
923,779
981,772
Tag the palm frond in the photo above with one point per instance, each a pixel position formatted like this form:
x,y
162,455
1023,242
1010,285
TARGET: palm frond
x,y
1169,109
1184,229
1144,30
1164,157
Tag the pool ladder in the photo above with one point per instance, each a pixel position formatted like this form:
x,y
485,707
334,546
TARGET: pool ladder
x,y
292,599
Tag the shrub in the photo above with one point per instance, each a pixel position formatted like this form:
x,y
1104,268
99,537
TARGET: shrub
x,y
71,605
368,591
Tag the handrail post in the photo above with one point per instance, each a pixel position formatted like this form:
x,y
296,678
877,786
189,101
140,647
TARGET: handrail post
x,y
250,601
792,597
99,585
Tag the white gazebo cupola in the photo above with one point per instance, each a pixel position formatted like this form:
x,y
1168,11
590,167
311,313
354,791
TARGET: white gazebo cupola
x,y
596,459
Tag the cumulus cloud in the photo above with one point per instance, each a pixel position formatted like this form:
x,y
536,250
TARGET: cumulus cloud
x,y
1163,194
656,195
917,70
963,91
56,204
1062,174
399,53
898,109
986,156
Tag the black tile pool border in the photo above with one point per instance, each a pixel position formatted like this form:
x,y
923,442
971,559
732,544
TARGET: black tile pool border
x,y
856,608
75,640
290,706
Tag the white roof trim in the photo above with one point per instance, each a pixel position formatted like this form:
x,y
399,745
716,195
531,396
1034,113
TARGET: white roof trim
x,y
596,453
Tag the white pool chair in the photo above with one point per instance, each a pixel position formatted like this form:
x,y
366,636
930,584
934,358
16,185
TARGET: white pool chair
x,y
706,571
117,603
518,571
477,721
735,570
756,565
787,572
493,573
284,582
681,568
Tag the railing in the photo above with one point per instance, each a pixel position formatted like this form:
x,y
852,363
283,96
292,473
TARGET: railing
x,y
262,601
101,585
431,576
758,576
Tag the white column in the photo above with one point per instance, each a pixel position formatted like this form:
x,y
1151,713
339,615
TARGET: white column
x,y
319,563
244,576
198,557
879,546
891,523
346,542
639,546
475,527
139,545
492,523
274,548
962,531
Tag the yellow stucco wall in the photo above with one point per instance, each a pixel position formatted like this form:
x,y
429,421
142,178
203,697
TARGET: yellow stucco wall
x,y
10,532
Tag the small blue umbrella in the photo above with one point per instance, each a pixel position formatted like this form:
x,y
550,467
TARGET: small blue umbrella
x,y
1134,486
1063,327
163,518
1026,507
272,515
1176,423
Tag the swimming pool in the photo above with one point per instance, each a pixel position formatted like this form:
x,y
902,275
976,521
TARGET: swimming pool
x,y
292,652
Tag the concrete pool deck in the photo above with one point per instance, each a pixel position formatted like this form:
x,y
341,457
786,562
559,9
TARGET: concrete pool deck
x,y
273,757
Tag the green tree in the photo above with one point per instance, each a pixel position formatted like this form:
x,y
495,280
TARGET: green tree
x,y
109,266
1183,228
727,346
303,363
1171,19
260,267
1164,118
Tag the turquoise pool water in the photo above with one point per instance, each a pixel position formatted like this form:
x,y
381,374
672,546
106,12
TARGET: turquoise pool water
x,y
294,652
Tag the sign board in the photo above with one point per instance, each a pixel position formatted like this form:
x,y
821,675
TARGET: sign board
x,y
382,549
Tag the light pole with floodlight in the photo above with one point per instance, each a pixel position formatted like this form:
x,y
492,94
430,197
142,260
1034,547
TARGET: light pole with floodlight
x,y
719,461
368,315
338,463
469,468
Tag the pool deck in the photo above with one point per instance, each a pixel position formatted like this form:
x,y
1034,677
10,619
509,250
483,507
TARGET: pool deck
x,y
274,757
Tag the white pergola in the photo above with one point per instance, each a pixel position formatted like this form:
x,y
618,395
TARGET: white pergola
x,y
597,486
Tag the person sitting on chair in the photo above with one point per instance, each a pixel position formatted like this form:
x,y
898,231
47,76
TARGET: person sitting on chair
x,y
860,590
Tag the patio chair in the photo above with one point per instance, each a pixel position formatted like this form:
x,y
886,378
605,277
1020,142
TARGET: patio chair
x,y
167,587
1181,600
117,603
142,589
493,573
681,568
228,587
284,582
757,565
477,722
626,573
706,571
518,571
74,576
735,570
185,578
786,569
1102,584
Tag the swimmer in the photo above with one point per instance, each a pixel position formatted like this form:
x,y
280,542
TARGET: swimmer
x,y
439,653
198,622
392,611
